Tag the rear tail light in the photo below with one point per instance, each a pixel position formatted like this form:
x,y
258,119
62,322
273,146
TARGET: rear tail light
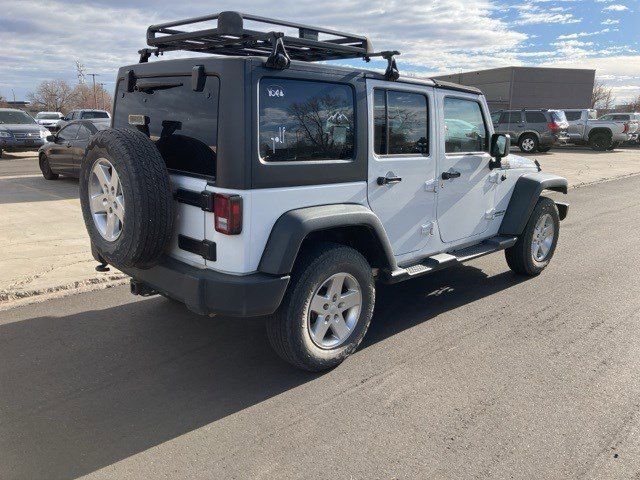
x,y
626,128
227,210
553,126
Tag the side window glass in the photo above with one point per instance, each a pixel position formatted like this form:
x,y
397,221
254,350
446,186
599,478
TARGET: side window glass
x,y
305,121
572,116
511,117
400,123
535,117
69,133
380,121
465,130
83,133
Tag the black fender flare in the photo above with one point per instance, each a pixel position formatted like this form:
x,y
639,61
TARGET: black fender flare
x,y
292,228
524,198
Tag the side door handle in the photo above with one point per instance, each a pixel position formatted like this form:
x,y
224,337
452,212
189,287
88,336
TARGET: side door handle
x,y
450,175
388,180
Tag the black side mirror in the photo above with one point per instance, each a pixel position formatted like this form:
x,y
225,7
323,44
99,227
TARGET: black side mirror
x,y
51,138
500,145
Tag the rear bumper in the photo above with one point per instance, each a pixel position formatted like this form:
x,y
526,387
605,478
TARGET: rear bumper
x,y
208,292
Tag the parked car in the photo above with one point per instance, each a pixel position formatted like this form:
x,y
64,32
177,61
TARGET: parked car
x,y
49,120
633,118
532,130
19,132
328,179
585,129
63,152
98,116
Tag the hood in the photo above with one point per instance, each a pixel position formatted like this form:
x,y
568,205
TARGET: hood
x,y
21,127
516,161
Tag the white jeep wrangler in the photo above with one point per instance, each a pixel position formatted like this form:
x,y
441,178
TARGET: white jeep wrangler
x,y
255,182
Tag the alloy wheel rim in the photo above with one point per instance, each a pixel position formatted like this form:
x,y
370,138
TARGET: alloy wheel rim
x,y
334,310
528,144
106,200
543,235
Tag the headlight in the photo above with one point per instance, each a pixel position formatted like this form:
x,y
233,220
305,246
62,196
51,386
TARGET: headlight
x,y
4,134
44,133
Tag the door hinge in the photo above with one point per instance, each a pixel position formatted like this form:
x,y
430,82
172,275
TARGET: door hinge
x,y
431,186
494,177
428,229
204,248
490,214
203,199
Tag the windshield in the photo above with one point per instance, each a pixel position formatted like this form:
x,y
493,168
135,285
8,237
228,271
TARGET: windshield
x,y
48,116
16,118
95,115
558,116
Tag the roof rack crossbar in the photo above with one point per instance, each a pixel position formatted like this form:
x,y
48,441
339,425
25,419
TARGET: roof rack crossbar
x,y
230,37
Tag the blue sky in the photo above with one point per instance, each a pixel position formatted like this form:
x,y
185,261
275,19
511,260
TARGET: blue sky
x,y
437,36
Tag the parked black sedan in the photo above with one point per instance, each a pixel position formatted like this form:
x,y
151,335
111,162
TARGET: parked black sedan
x,y
63,152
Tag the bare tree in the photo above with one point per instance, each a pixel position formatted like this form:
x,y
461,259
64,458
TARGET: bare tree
x,y
634,105
84,97
80,71
53,95
3,101
602,96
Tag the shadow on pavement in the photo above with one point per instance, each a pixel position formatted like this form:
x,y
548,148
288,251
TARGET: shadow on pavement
x,y
37,189
83,391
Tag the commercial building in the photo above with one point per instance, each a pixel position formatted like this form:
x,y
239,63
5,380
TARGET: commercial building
x,y
530,87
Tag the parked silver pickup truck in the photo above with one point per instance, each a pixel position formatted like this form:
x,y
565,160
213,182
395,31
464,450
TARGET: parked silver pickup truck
x,y
599,134
633,117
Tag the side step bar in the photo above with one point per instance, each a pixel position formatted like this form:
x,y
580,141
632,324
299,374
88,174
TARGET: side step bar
x,y
444,260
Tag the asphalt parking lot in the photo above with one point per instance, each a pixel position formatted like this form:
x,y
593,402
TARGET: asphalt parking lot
x,y
468,373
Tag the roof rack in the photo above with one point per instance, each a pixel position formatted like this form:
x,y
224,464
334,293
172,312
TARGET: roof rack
x,y
229,37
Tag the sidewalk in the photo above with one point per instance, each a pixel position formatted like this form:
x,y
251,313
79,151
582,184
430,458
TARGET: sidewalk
x,y
45,248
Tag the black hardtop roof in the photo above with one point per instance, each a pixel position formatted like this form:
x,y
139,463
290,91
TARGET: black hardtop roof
x,y
184,66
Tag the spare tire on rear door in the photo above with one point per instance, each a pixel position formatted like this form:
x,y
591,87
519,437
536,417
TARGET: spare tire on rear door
x,y
126,198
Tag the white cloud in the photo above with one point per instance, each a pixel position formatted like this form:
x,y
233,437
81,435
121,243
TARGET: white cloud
x,y
582,34
610,21
615,8
534,14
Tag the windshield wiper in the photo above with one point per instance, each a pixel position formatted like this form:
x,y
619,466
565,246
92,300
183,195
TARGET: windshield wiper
x,y
151,86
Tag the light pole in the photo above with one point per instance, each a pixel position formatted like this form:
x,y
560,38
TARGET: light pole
x,y
93,76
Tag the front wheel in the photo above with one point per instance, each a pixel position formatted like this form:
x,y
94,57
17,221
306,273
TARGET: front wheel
x,y
536,245
45,168
326,310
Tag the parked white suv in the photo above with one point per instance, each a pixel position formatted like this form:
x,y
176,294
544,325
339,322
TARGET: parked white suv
x,y
259,183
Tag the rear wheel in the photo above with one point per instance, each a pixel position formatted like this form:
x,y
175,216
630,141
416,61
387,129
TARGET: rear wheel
x,y
536,245
528,143
45,168
613,145
600,141
327,308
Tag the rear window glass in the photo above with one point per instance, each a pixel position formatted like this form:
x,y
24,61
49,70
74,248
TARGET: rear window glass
x,y
573,116
183,123
89,115
558,116
305,121
593,114
535,117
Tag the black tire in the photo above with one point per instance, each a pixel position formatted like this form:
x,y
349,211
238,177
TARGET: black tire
x,y
0,153
45,168
520,257
528,143
288,330
613,145
149,209
544,149
600,141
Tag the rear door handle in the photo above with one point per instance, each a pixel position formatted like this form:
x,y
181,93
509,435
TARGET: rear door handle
x,y
450,175
388,180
